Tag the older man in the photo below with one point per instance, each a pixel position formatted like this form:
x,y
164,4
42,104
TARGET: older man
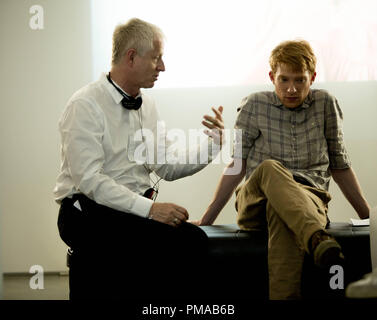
x,y
108,215
292,143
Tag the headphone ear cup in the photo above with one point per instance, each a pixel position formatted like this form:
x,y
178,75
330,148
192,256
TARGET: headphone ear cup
x,y
128,102
131,103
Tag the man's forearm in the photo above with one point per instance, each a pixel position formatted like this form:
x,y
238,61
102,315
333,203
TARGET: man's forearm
x,y
227,184
197,159
349,184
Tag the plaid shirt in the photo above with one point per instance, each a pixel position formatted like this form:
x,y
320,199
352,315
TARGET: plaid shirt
x,y
308,140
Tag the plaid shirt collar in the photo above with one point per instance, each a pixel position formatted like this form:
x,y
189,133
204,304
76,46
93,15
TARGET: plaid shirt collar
x,y
306,104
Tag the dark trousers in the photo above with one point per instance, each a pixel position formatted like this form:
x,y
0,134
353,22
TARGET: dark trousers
x,y
121,255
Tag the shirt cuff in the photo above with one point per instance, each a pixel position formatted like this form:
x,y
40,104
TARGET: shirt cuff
x,y
142,206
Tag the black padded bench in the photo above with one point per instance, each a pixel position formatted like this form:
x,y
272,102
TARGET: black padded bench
x,y
239,266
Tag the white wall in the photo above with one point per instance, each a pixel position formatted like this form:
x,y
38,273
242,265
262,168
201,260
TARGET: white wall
x,y
41,70
183,108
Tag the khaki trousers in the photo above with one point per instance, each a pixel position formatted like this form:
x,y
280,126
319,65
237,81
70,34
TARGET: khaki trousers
x,y
291,212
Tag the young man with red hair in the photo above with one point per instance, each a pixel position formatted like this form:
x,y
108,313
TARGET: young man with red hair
x,y
292,143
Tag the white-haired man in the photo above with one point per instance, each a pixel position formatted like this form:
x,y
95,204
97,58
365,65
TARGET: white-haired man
x,y
108,215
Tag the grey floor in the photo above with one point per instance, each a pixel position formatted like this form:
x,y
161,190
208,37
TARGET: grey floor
x,y
17,287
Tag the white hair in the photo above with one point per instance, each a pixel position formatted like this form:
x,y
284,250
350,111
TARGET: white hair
x,y
134,34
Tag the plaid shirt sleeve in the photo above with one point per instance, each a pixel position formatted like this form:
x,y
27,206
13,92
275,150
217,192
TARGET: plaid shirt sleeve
x,y
246,129
338,155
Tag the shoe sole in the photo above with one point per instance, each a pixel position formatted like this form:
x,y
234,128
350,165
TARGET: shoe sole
x,y
327,254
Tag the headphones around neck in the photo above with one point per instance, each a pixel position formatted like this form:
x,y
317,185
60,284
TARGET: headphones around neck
x,y
131,103
128,102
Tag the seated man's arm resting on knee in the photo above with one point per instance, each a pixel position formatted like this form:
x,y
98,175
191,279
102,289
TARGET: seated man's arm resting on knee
x,y
349,184
230,179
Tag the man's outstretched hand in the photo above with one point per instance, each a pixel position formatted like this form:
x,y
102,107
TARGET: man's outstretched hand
x,y
215,125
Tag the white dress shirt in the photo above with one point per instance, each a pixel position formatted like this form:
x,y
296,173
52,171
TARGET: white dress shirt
x,y
98,148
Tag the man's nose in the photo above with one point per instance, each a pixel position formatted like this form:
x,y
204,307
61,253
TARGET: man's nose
x,y
292,88
161,66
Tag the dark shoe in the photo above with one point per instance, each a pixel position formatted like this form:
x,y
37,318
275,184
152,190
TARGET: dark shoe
x,y
326,251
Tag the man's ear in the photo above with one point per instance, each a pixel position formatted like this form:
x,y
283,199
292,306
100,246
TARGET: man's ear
x,y
313,77
271,74
130,56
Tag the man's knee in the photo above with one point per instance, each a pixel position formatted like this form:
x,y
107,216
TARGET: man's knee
x,y
192,235
269,164
270,171
263,170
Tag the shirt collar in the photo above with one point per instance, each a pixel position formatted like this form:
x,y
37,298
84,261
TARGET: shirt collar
x,y
306,104
117,97
115,94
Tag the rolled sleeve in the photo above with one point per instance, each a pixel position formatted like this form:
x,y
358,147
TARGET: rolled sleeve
x,y
338,155
246,129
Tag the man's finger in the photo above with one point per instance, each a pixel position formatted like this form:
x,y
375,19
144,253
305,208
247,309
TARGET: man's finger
x,y
211,119
178,218
209,125
217,125
182,210
213,133
218,112
217,122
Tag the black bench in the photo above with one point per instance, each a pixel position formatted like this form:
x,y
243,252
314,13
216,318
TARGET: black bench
x,y
240,262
